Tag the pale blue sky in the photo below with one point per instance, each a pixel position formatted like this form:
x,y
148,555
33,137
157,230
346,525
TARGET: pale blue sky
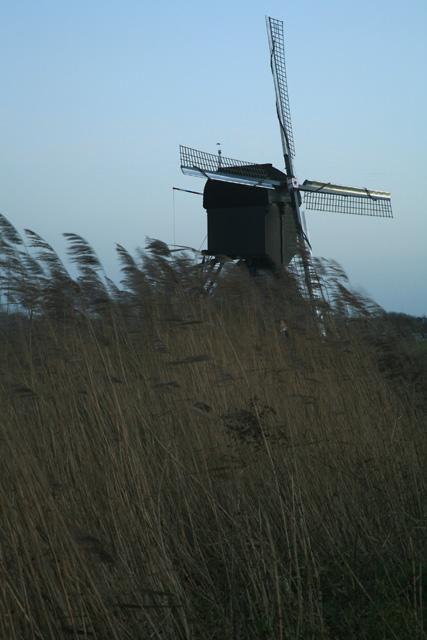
x,y
97,96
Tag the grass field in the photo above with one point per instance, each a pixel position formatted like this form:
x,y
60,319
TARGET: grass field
x,y
175,466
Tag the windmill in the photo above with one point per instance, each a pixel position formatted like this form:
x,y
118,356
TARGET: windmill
x,y
254,210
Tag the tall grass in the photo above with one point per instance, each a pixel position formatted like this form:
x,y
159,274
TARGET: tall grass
x,y
173,465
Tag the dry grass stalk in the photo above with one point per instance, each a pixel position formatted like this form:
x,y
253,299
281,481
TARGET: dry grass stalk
x,y
275,488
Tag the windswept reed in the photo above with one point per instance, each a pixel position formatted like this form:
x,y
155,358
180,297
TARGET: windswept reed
x,y
176,465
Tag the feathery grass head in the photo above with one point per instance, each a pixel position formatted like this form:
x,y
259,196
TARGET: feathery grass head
x,y
189,461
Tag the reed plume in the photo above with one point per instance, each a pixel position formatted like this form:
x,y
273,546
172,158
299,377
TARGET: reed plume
x,y
188,460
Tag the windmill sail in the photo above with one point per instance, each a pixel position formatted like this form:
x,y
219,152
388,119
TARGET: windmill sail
x,y
264,227
321,196
218,167
278,69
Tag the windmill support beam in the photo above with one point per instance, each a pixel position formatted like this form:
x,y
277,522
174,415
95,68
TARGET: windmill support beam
x,y
339,190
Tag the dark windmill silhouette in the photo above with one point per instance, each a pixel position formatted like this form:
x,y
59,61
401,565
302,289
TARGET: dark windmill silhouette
x,y
253,209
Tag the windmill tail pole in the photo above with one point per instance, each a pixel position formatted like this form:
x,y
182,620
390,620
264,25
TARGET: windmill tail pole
x,y
197,193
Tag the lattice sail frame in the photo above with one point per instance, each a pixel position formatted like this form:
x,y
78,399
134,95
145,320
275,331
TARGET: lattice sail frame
x,y
278,66
348,204
349,200
217,167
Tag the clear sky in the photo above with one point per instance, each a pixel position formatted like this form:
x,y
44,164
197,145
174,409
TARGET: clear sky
x,y
98,94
